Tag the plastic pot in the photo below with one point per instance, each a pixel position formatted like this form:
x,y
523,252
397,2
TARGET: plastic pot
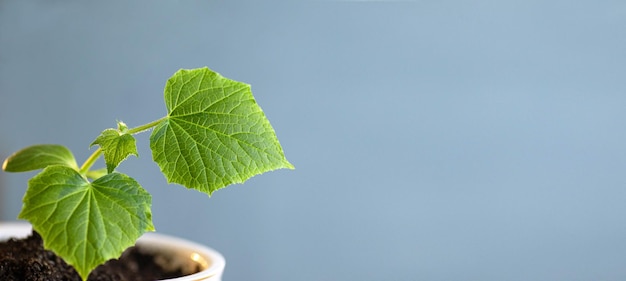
x,y
178,252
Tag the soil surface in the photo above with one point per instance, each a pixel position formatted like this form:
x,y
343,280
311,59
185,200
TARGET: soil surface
x,y
27,260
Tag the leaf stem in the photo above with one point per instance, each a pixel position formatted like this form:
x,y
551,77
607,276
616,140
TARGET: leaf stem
x,y
90,161
145,127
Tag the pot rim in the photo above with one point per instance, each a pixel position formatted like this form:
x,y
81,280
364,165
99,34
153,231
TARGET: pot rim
x,y
213,261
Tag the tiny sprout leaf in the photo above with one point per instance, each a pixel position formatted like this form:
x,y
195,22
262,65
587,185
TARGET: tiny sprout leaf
x,y
86,223
215,134
121,126
38,157
116,145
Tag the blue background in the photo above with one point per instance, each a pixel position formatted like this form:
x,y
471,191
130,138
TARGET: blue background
x,y
433,140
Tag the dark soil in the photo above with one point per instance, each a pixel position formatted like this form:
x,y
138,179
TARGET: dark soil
x,y
27,260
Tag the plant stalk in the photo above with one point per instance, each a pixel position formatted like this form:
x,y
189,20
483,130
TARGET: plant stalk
x,y
90,161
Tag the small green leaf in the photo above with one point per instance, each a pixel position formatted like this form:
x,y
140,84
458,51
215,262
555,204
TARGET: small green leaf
x,y
215,134
38,157
86,223
116,145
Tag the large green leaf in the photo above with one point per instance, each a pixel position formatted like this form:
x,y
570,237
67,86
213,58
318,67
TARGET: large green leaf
x,y
86,223
38,157
215,134
116,145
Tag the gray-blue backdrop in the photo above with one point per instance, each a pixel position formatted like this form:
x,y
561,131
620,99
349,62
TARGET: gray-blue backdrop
x,y
433,140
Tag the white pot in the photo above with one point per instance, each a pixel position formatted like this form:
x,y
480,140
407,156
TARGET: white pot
x,y
182,252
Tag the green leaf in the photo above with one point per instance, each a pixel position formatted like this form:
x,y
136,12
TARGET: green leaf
x,y
116,145
38,157
215,134
86,223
